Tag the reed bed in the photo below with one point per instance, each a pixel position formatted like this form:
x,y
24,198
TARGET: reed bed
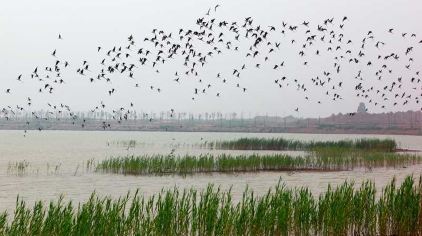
x,y
19,168
226,163
344,210
382,145
25,168
125,143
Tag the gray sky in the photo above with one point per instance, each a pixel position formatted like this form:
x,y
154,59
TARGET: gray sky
x,y
29,30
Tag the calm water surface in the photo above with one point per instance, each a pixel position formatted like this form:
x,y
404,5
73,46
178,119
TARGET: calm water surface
x,y
57,164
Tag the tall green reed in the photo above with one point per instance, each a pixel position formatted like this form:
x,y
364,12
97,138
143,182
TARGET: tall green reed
x,y
344,210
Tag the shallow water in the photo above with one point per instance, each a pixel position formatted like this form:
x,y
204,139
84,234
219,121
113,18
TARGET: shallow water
x,y
57,164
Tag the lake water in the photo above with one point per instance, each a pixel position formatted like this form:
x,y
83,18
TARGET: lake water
x,y
57,161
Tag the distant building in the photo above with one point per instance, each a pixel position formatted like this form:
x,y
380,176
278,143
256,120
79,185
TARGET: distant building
x,y
362,108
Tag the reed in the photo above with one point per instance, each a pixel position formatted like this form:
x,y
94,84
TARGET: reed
x,y
25,168
384,145
344,210
207,163
18,168
124,143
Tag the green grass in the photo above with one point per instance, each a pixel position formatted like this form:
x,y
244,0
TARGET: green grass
x,y
207,163
384,145
344,210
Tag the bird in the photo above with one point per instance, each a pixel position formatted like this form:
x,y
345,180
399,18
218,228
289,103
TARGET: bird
x,y
216,6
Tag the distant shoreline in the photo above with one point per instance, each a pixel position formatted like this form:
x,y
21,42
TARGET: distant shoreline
x,y
399,123
414,132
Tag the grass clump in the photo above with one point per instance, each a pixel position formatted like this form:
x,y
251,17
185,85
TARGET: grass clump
x,y
226,163
124,143
382,145
344,210
19,168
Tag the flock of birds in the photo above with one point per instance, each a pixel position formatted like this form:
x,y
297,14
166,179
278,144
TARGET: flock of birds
x,y
258,48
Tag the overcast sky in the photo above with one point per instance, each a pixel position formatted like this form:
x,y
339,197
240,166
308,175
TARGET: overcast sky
x,y
29,30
